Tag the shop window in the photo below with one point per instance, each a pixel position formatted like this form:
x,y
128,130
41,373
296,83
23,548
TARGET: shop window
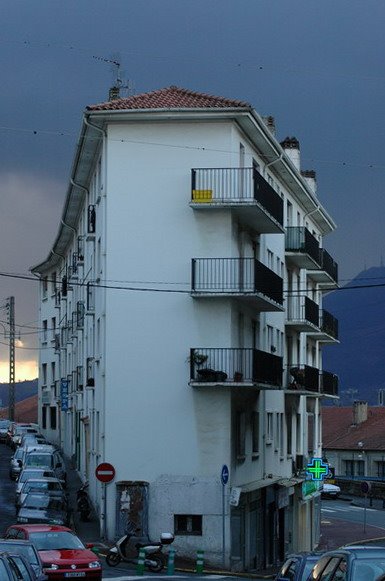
x,y
188,524
53,417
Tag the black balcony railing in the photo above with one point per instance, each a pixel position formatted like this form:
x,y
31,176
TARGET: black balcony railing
x,y
235,275
235,186
329,383
300,239
304,377
329,324
328,264
227,365
303,309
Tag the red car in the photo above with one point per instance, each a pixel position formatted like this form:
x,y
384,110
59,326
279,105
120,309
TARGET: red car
x,y
63,554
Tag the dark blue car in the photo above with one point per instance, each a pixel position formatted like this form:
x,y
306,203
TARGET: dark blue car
x,y
297,567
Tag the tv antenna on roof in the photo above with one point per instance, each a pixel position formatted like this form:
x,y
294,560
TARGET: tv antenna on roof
x,y
119,83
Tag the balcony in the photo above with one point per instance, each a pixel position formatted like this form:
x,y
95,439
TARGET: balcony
x,y
244,190
303,380
235,367
302,248
328,328
302,314
247,279
329,384
327,274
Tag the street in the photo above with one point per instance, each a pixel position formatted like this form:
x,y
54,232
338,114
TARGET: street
x,y
123,572
332,509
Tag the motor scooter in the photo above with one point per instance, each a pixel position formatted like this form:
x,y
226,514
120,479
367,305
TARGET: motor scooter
x,y
123,550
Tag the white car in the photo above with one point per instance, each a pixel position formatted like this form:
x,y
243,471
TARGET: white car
x,y
330,490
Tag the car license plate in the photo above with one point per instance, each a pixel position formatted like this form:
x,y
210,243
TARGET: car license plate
x,y
75,574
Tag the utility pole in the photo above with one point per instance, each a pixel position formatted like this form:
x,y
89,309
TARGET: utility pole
x,y
11,391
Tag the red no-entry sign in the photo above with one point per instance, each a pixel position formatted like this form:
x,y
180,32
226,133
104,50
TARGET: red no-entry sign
x,y
105,472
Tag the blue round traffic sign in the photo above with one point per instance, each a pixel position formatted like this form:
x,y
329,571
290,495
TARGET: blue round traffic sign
x,y
225,475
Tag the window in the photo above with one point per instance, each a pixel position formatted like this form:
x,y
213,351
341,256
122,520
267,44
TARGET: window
x,y
381,469
188,524
255,433
53,283
44,373
53,327
288,432
349,467
44,417
53,417
240,436
269,427
53,372
44,283
45,328
360,467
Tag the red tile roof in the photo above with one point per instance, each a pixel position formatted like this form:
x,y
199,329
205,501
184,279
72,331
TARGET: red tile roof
x,y
339,433
170,98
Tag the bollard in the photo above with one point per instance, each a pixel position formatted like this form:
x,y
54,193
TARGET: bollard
x,y
199,565
141,559
171,562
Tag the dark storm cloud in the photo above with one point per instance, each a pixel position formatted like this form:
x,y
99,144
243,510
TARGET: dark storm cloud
x,y
318,67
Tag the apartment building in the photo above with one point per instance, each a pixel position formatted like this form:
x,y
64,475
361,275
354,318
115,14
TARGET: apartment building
x,y
181,307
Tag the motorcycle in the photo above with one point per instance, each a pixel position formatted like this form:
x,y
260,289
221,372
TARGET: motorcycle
x,y
155,559
83,504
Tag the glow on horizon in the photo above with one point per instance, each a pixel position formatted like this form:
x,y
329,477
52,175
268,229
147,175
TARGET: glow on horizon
x,y
24,370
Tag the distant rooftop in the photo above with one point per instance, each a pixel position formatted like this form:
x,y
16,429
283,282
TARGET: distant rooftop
x,y
340,433
170,98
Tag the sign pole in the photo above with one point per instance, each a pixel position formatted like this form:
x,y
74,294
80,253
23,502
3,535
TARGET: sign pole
x,y
224,480
105,473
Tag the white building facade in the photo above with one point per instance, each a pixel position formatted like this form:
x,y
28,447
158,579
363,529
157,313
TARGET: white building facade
x,y
181,308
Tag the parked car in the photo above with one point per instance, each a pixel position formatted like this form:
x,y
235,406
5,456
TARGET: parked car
x,y
13,567
16,464
47,460
29,473
4,425
330,490
60,550
28,550
18,433
350,564
297,567
51,486
43,508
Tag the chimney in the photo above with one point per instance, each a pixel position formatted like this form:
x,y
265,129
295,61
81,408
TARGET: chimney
x,y
114,93
360,412
310,178
291,147
270,123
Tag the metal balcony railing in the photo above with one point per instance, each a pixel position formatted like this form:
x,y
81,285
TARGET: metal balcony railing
x,y
235,276
235,186
329,383
328,324
235,365
329,265
303,378
302,309
299,239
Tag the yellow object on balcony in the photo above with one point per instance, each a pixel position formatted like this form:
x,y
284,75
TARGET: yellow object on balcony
x,y
202,196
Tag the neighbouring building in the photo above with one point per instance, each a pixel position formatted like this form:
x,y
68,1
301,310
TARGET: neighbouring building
x,y
354,440
182,304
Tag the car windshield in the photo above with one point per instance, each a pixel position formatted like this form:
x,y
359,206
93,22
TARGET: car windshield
x,y
16,548
42,485
4,424
368,569
18,454
308,567
55,540
39,460
42,502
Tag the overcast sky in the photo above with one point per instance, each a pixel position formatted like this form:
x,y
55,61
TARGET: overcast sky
x,y
316,66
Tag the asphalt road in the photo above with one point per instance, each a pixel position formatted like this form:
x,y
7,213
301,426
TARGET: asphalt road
x,y
122,572
332,509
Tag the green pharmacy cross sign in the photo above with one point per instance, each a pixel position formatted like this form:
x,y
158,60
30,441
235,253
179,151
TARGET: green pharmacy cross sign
x,y
317,469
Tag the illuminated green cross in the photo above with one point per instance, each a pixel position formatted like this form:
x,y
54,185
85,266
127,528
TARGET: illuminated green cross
x,y
317,469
